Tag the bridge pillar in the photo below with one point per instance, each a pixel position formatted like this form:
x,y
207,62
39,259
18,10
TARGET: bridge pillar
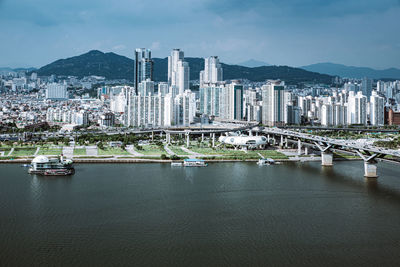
x,y
168,138
286,142
327,158
213,140
187,140
305,150
370,169
202,137
152,136
281,144
299,147
326,154
268,138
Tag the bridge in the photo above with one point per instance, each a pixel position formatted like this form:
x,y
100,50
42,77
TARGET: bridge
x,y
344,129
369,154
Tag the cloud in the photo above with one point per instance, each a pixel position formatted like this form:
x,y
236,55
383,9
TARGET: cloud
x,y
155,46
119,47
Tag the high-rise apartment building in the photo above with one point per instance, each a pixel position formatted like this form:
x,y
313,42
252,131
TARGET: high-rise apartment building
x,y
273,105
377,109
143,67
178,71
357,108
56,91
366,87
212,72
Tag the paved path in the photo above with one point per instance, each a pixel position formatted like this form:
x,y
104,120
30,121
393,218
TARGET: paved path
x,y
2,153
11,151
191,152
37,151
169,151
132,151
68,151
91,151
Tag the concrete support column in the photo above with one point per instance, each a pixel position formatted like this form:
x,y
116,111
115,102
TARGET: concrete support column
x,y
370,169
305,150
202,137
168,138
213,140
299,147
187,140
268,138
327,158
152,136
286,142
281,144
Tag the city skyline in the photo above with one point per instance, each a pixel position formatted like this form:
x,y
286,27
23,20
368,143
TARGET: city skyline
x,y
283,33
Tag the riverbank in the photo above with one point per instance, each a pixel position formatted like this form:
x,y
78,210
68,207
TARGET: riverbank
x,y
138,160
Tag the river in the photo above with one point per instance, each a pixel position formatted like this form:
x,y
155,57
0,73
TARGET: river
x,y
226,214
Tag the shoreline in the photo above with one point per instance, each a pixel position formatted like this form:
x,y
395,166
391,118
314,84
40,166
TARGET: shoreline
x,y
133,160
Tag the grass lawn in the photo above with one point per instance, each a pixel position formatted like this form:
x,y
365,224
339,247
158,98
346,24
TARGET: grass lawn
x,y
177,150
151,150
23,151
80,151
112,151
50,151
6,150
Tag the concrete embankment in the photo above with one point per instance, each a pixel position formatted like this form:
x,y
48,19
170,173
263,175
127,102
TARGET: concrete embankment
x,y
136,160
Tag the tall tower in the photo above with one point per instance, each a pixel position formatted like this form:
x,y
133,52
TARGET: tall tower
x,y
178,71
143,68
273,103
212,71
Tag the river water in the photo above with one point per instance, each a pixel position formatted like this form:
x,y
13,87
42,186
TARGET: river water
x,y
227,214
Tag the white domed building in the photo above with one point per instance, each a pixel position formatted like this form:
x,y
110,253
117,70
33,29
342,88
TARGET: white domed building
x,y
56,166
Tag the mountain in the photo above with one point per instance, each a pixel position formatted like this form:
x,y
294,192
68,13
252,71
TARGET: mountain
x,y
109,65
252,63
113,66
353,72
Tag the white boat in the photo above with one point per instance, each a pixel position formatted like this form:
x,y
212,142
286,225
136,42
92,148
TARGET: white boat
x,y
176,164
265,161
194,163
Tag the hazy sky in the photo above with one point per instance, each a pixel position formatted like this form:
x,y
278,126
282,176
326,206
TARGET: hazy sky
x,y
281,32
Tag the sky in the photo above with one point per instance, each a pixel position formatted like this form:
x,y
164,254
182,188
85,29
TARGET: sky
x,y
280,32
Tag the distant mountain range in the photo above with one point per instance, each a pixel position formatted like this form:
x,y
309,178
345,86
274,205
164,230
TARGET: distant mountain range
x,y
252,63
8,70
113,66
353,72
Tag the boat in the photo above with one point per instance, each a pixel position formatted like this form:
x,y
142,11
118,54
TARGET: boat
x,y
194,163
176,164
265,161
42,165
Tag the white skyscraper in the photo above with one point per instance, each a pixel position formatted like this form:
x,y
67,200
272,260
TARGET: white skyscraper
x,y
146,88
357,108
56,91
212,72
178,71
377,109
273,105
183,76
